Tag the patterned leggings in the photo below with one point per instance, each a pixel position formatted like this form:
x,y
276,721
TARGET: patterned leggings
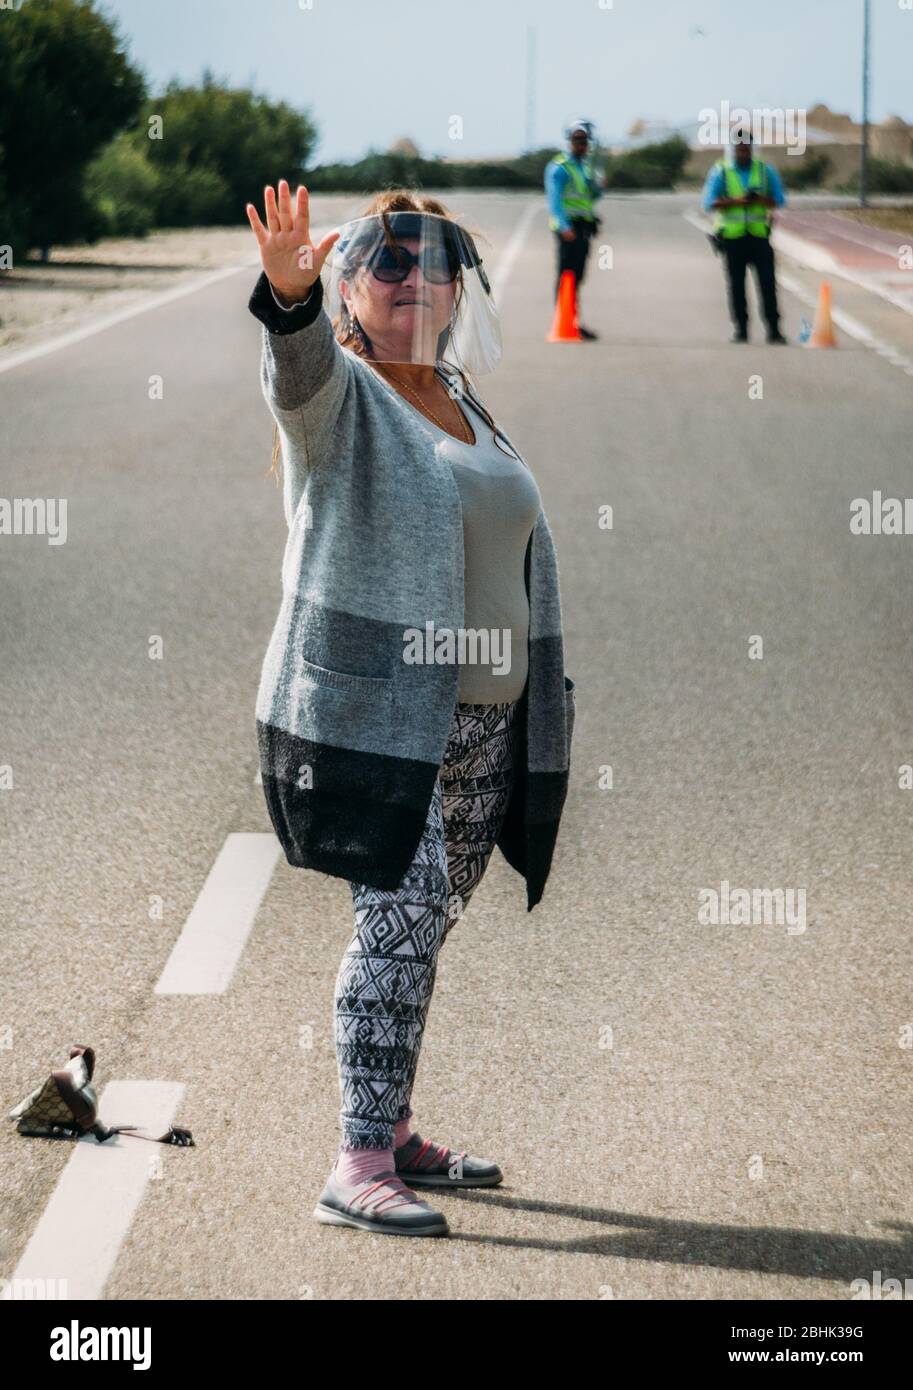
x,y
386,978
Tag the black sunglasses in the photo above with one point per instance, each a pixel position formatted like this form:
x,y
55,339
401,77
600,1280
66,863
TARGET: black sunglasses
x,y
392,264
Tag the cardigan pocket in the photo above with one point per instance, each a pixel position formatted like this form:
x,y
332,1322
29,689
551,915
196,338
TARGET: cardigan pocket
x,y
366,687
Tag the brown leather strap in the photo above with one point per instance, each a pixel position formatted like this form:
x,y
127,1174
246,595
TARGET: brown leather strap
x,y
175,1134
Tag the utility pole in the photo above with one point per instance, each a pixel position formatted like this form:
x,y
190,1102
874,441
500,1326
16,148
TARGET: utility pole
x,y
864,155
530,87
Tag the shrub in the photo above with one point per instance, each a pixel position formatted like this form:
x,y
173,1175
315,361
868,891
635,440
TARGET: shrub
x,y
883,177
221,146
658,165
809,172
124,188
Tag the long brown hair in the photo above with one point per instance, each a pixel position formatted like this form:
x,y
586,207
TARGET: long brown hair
x,y
390,200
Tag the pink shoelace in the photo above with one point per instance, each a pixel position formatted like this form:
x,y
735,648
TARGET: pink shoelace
x,y
399,1196
430,1155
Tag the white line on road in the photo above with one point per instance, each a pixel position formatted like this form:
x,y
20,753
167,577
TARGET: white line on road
x,y
90,1211
817,258
851,326
505,262
854,232
154,301
206,953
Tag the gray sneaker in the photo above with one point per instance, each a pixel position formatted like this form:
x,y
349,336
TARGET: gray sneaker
x,y
383,1203
425,1164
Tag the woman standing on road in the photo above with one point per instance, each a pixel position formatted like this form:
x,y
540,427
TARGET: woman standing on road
x,y
392,755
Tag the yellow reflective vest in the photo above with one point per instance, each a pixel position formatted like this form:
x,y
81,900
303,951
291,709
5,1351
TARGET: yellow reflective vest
x,y
752,219
576,196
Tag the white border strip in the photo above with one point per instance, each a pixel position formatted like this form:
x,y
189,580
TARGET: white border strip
x,y
75,1245
816,258
207,952
505,262
856,235
154,301
851,326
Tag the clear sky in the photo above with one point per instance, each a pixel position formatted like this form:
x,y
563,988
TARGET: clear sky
x,y
370,71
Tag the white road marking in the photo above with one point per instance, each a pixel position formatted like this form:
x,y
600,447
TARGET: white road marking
x,y
855,232
154,301
808,253
207,952
817,258
90,1211
850,325
508,256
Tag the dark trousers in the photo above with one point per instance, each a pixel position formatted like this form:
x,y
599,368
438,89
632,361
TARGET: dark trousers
x,y
740,252
572,255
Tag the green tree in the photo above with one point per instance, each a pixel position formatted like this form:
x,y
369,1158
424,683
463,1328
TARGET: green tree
x,y
808,172
219,146
123,188
66,87
658,165
883,176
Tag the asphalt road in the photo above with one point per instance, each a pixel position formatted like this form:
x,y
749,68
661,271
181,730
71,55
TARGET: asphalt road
x,y
682,1110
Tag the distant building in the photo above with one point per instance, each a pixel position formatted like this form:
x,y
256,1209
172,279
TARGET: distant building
x,y
826,132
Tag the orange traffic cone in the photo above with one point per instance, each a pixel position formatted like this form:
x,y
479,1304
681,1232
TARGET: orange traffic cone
x,y
564,325
823,335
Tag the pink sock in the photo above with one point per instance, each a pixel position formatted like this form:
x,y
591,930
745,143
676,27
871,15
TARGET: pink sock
x,y
354,1165
401,1132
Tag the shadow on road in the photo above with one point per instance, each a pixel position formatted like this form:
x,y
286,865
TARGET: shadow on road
x,y
805,1254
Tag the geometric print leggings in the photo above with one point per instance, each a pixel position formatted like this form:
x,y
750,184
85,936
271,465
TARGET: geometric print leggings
x,y
386,978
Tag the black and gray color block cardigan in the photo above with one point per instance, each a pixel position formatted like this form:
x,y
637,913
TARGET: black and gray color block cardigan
x,y
350,735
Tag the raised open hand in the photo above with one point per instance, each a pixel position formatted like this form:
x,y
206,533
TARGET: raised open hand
x,y
291,262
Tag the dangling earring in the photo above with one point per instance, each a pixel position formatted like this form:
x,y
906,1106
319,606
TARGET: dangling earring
x,y
446,336
355,328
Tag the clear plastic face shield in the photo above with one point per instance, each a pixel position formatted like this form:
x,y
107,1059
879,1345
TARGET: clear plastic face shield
x,y
410,287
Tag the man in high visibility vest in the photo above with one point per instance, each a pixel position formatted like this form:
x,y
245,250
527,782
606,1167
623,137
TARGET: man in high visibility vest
x,y
742,194
572,187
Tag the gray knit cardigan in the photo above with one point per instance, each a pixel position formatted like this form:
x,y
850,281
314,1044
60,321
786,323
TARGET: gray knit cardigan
x,y
350,735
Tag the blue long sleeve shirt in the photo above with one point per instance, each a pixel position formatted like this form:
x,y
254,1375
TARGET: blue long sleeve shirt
x,y
556,176
713,184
